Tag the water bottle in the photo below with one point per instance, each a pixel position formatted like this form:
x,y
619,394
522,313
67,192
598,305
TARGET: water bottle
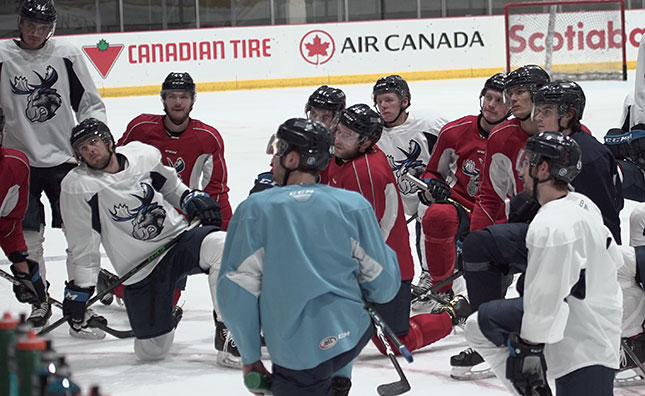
x,y
7,342
258,383
28,350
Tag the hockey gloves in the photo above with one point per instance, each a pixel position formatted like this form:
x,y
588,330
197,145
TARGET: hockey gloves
x,y
199,204
525,366
263,182
438,191
32,288
523,208
75,306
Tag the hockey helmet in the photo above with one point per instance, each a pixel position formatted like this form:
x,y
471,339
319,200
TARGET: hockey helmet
x,y
361,119
311,139
495,82
532,77
393,83
561,151
565,94
41,11
178,82
86,129
327,98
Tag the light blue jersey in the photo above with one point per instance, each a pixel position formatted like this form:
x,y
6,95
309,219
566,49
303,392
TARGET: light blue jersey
x,y
296,262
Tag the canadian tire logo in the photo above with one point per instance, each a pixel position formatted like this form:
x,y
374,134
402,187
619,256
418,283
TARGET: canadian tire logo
x,y
317,47
103,56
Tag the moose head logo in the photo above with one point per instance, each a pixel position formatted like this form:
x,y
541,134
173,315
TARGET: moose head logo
x,y
147,218
42,99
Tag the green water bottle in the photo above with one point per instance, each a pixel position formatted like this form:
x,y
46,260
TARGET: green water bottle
x,y
28,352
258,383
7,341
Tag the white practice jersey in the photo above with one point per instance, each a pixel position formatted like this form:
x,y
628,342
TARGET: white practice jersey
x,y
566,237
131,212
43,93
408,147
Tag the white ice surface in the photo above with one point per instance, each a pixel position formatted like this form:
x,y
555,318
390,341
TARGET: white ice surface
x,y
246,119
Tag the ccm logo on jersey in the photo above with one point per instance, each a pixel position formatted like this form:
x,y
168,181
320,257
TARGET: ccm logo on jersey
x,y
329,342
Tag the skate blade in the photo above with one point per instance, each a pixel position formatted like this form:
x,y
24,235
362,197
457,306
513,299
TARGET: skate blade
x,y
89,333
226,359
633,377
481,371
265,353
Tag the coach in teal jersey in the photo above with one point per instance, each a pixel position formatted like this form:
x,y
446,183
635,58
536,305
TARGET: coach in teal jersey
x,y
296,263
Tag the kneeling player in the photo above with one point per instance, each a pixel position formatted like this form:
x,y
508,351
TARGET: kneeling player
x,y
125,199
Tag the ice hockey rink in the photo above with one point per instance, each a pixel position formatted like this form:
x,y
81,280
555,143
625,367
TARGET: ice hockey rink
x,y
246,119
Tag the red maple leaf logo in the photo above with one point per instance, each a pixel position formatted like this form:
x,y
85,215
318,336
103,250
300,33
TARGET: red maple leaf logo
x,y
317,48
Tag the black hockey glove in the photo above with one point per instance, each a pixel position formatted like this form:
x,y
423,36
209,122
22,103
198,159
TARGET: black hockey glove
x,y
523,208
437,189
263,182
199,204
32,288
525,366
75,304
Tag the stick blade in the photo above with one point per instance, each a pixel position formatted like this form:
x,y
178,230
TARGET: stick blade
x,y
394,388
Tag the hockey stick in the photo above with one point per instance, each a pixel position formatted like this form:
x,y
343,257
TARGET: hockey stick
x,y
153,256
411,219
93,323
402,385
432,293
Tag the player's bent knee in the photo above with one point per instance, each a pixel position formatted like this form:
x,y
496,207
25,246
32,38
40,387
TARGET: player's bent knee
x,y
474,247
210,253
440,220
156,348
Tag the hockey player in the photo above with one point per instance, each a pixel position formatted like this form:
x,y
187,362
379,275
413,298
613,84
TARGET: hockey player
x,y
44,86
559,106
358,165
315,327
193,148
127,200
567,324
407,141
14,189
453,172
323,105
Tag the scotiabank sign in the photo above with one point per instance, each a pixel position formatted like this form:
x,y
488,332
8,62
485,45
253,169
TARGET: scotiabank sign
x,y
571,38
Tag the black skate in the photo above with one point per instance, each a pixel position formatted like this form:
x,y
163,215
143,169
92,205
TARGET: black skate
x,y
227,353
106,278
469,365
631,372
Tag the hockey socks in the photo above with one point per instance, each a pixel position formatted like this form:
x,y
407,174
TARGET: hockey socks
x,y
424,330
440,224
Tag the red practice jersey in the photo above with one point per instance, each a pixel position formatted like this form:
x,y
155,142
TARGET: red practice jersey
x,y
500,179
458,158
197,155
14,190
370,175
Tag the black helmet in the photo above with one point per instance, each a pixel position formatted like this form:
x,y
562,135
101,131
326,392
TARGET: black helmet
x,y
361,119
564,94
393,83
86,129
326,97
495,82
561,151
178,82
311,139
530,76
42,11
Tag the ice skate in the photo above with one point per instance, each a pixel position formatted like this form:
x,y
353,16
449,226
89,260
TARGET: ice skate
x,y
227,353
431,302
40,313
469,365
87,333
629,373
